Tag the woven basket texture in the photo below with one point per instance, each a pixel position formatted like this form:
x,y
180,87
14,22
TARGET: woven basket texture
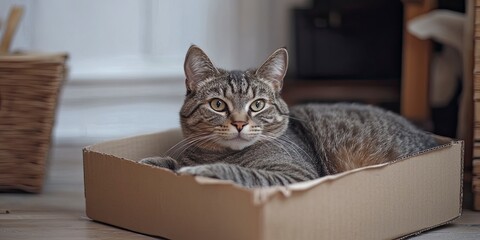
x,y
29,88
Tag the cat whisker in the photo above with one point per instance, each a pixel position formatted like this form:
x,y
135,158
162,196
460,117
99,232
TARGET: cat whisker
x,y
183,141
288,144
181,150
290,141
274,141
201,142
185,144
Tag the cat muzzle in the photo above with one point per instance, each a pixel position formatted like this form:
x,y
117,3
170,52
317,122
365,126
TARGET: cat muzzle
x,y
239,125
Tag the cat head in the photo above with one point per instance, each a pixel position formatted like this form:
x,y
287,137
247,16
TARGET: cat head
x,y
233,109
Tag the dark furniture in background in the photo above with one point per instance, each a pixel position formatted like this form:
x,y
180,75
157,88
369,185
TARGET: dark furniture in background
x,y
349,39
347,50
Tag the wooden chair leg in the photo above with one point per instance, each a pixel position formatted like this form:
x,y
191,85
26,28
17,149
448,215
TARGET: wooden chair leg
x,y
416,66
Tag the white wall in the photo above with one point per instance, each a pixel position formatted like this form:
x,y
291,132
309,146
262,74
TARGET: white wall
x,y
140,42
211,24
89,29
148,38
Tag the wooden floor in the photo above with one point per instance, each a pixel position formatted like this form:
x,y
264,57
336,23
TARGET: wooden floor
x,y
58,213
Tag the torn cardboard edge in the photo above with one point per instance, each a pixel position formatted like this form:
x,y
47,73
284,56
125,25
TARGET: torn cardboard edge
x,y
130,149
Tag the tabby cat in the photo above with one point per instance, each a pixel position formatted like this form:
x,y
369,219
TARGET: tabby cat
x,y
237,127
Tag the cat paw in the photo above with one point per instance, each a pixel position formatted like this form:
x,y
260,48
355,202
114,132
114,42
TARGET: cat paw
x,y
163,162
204,171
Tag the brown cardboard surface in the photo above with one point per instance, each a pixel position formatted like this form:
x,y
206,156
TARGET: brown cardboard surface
x,y
139,198
373,203
378,202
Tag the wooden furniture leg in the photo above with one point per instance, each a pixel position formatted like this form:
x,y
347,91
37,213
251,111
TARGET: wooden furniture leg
x,y
416,66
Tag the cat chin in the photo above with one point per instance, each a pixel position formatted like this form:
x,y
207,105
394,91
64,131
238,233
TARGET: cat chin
x,y
237,144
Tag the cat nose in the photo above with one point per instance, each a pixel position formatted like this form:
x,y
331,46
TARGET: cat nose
x,y
239,125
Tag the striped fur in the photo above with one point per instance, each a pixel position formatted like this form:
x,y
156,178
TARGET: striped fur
x,y
276,146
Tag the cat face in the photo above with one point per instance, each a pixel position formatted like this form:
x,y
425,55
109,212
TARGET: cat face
x,y
233,109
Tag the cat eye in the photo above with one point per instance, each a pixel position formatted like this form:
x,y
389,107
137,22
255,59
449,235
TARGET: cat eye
x,y
257,105
218,105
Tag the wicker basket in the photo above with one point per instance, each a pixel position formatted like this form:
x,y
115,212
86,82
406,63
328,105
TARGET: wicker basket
x,y
29,87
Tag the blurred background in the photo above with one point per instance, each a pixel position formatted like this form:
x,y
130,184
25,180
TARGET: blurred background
x,y
125,74
125,57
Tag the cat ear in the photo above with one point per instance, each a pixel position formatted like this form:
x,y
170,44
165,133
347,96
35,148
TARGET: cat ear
x,y
198,67
274,69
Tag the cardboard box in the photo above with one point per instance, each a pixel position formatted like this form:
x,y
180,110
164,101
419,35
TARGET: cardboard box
x,y
385,201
